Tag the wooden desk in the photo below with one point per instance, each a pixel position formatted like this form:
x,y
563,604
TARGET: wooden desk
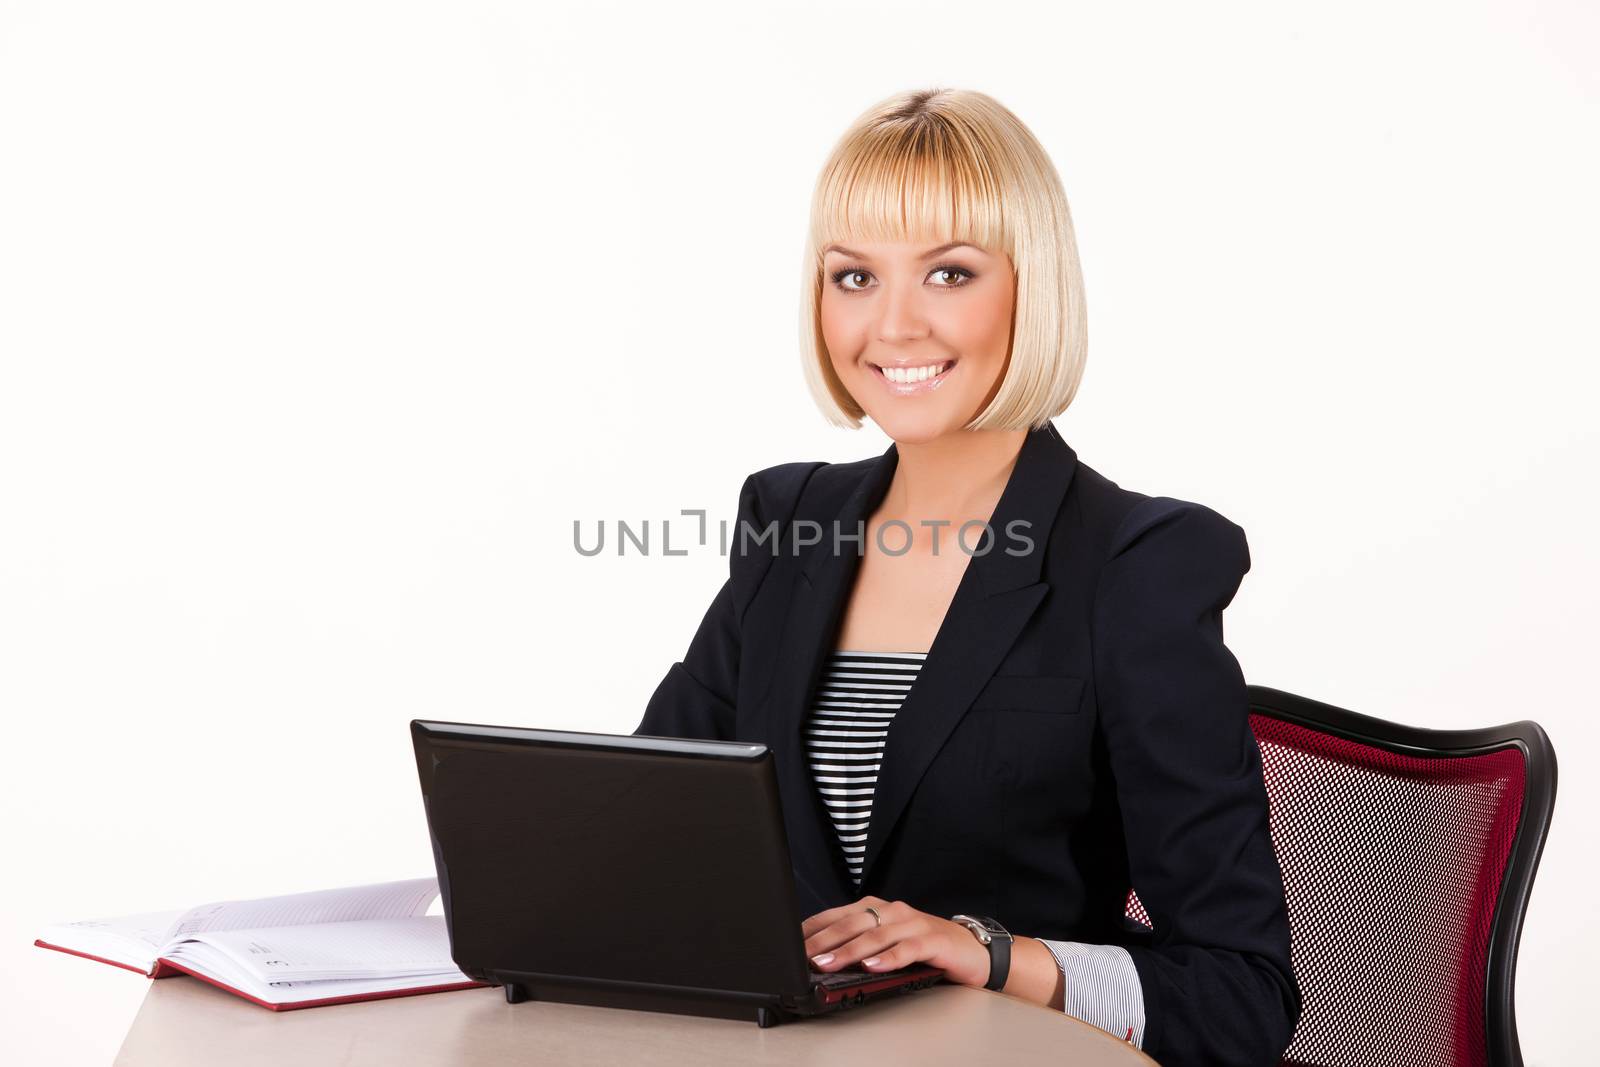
x,y
185,1022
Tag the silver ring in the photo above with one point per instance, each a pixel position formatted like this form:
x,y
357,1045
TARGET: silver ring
x,y
876,918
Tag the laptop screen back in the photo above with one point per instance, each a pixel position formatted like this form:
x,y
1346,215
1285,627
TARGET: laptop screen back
x,y
615,859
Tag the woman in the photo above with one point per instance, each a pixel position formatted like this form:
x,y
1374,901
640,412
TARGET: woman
x,y
994,682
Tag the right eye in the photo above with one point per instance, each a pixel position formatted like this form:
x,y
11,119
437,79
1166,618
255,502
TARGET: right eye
x,y
850,274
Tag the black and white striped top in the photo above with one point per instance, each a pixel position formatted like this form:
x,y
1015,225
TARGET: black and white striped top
x,y
856,699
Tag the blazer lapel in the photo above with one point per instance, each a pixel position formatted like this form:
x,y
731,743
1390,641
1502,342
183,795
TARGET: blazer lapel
x,y
994,600
815,611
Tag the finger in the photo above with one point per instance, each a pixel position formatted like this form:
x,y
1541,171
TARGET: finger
x,y
902,954
826,918
848,927
857,922
823,919
897,911
900,949
875,943
853,950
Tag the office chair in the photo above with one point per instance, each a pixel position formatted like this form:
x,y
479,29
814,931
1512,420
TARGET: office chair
x,y
1408,855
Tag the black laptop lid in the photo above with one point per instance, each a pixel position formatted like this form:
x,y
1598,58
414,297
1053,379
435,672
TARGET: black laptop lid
x,y
611,858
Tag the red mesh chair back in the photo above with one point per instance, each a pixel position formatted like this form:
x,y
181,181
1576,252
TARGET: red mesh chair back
x,y
1407,857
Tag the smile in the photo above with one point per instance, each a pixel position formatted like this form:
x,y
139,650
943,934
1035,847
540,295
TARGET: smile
x,y
903,380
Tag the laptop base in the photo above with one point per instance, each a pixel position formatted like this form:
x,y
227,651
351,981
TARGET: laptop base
x,y
764,1009
637,996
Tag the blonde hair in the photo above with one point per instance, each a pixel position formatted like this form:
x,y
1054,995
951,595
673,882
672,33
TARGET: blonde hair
x,y
955,165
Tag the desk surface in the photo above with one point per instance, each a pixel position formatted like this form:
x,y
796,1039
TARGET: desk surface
x,y
184,1022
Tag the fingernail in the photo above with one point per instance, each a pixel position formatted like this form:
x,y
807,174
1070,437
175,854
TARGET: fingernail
x,y
870,961
822,960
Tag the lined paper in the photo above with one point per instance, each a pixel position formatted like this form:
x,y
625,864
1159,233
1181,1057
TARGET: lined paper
x,y
135,940
367,948
384,900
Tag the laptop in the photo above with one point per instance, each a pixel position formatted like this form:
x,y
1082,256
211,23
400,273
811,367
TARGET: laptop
x,y
625,871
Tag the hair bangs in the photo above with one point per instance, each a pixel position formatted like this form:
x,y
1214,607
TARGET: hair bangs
x,y
909,181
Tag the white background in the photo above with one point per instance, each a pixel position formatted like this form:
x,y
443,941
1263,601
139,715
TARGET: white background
x,y
320,323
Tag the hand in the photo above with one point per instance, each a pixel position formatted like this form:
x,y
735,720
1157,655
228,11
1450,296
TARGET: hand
x,y
840,937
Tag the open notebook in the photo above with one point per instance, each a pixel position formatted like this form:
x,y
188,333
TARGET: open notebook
x,y
299,951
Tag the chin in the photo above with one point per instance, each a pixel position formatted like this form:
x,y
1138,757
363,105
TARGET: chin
x,y
916,428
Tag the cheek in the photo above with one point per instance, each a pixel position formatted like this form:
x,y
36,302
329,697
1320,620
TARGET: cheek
x,y
989,326
840,333
980,329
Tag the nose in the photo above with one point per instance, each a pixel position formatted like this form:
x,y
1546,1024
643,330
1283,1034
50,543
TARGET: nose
x,y
902,318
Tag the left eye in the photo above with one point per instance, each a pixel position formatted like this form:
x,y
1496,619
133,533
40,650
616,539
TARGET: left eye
x,y
955,276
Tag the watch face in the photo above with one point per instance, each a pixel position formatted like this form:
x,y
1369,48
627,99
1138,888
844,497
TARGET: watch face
x,y
992,928
984,928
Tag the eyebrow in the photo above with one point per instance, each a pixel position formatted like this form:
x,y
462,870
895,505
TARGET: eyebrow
x,y
929,254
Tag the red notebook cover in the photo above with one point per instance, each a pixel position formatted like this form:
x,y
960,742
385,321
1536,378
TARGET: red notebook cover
x,y
166,968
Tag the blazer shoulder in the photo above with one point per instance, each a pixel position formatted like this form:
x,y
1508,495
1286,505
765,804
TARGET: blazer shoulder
x,y
1126,518
1152,513
806,488
771,493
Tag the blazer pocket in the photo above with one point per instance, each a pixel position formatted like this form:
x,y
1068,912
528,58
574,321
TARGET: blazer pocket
x,y
1059,694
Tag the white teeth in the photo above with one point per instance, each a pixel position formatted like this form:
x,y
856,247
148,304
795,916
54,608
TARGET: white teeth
x,y
912,375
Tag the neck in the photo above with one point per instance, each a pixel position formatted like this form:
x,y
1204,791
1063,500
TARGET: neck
x,y
958,475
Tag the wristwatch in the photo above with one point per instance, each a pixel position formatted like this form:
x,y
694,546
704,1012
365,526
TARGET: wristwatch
x,y
997,939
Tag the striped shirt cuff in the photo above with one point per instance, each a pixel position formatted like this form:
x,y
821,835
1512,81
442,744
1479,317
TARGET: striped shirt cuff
x,y
1102,987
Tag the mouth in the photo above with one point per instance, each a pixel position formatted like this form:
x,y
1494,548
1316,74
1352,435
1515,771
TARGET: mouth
x,y
905,378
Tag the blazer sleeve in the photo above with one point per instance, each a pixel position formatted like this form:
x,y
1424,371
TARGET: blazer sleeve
x,y
698,696
1217,980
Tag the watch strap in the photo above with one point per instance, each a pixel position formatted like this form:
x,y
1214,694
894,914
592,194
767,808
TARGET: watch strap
x,y
995,938
999,962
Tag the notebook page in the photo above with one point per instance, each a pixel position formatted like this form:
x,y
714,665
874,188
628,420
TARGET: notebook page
x,y
367,949
135,940
207,960
384,900
290,992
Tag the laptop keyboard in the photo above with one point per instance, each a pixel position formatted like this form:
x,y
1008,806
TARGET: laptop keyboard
x,y
836,979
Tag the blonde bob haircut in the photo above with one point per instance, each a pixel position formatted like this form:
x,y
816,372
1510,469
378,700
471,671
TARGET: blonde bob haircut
x,y
940,165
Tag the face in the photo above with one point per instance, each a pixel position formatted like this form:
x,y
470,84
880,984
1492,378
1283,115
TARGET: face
x,y
919,335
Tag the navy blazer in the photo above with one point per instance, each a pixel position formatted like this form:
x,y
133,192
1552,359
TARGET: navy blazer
x,y
1077,728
